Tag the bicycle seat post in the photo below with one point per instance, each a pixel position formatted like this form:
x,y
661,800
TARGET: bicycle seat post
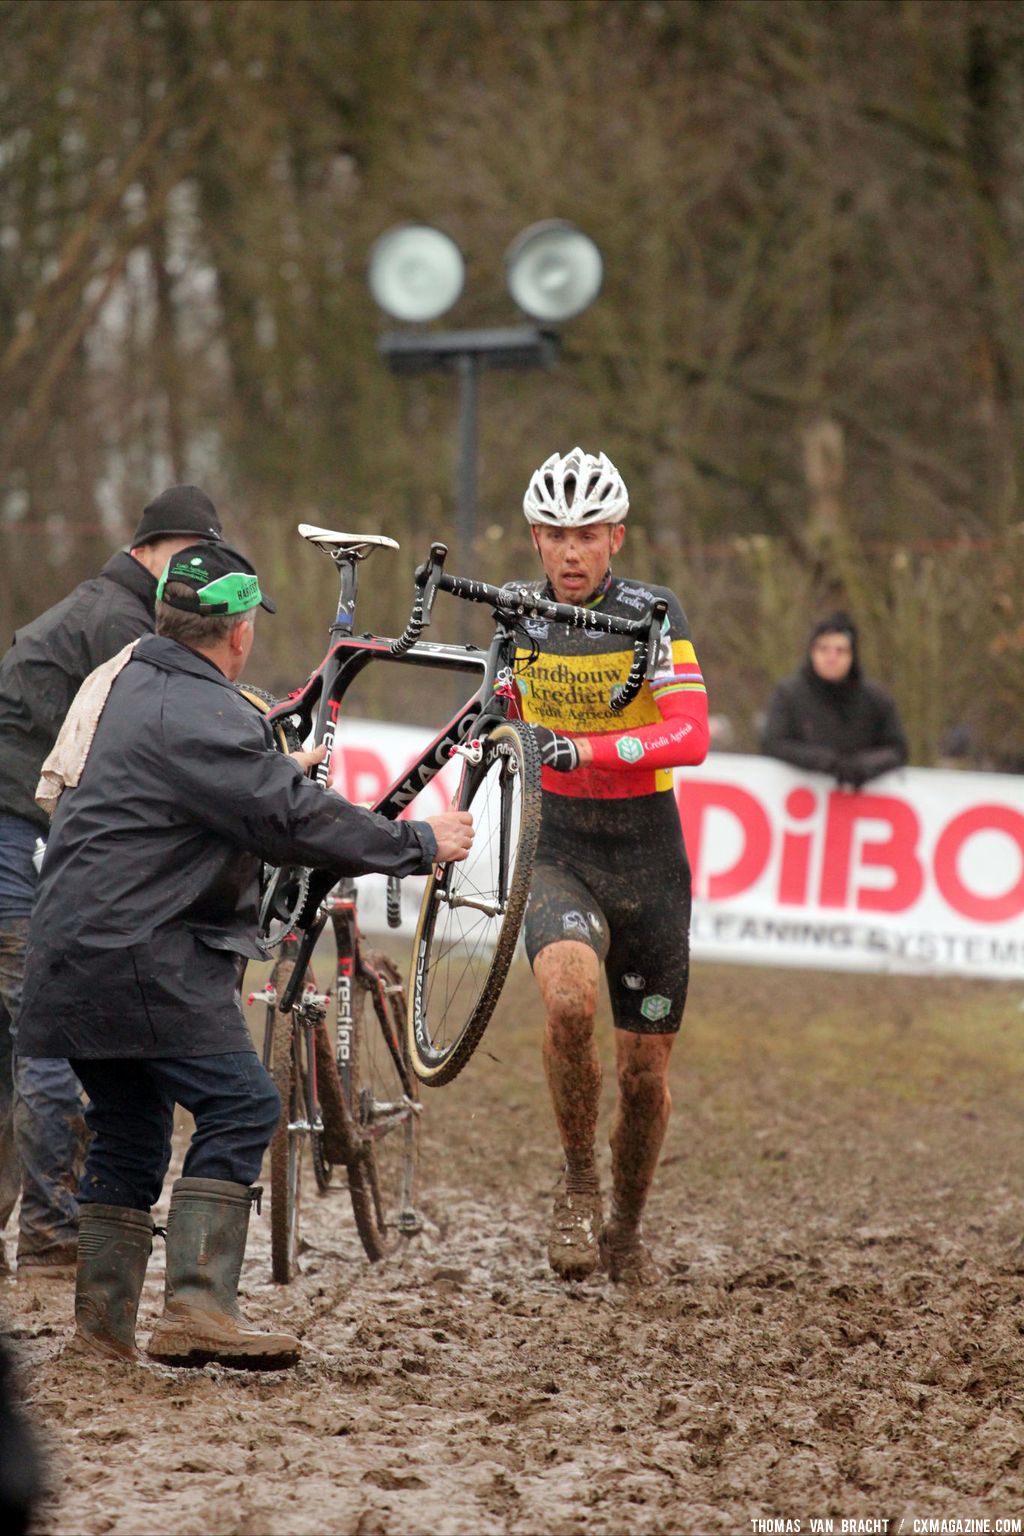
x,y
346,561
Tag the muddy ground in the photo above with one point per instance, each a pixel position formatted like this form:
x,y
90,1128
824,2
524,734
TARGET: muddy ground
x,y
838,1332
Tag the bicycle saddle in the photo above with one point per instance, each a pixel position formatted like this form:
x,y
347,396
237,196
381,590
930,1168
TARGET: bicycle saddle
x,y
358,545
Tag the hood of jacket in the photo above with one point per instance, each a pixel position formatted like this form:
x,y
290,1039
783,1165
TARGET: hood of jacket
x,y
838,622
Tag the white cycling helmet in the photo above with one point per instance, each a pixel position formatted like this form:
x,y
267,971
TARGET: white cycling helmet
x,y
579,488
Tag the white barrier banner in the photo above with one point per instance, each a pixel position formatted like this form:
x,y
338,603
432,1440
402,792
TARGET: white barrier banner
x,y
921,872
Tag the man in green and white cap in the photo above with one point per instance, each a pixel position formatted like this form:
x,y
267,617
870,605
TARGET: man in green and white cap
x,y
147,904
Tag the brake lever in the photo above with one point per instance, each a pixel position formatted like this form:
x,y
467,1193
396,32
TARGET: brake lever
x,y
654,633
645,659
426,578
430,571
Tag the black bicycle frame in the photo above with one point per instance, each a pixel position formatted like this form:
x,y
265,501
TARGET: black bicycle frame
x,y
350,970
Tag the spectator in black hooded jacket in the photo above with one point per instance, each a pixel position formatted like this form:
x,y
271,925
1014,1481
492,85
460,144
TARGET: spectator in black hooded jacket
x,y
828,718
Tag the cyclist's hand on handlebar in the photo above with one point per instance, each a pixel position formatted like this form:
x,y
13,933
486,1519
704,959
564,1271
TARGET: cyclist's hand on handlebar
x,y
561,752
308,760
454,833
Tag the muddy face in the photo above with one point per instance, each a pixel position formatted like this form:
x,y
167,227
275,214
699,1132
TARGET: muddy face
x,y
576,560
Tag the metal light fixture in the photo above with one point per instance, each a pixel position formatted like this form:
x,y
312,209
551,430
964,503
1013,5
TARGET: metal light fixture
x,y
415,272
553,270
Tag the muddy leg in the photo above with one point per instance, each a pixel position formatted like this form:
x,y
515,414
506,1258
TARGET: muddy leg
x,y
567,974
638,1130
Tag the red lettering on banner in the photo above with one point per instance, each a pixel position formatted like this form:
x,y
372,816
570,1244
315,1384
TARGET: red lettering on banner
x,y
896,853
698,797
980,818
361,775
796,850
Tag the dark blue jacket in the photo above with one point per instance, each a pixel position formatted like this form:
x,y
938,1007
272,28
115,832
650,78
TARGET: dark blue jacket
x,y
149,890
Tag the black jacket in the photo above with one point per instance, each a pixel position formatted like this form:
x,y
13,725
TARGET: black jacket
x,y
849,729
149,889
48,662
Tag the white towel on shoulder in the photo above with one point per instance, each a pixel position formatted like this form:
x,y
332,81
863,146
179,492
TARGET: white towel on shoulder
x,y
63,768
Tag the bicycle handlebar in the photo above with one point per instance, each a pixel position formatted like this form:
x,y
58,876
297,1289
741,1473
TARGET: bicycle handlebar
x,y
645,632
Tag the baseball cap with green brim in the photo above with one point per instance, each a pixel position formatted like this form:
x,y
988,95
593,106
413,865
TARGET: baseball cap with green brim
x,y
222,582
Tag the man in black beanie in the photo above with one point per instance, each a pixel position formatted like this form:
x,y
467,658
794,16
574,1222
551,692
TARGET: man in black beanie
x,y
42,1130
828,718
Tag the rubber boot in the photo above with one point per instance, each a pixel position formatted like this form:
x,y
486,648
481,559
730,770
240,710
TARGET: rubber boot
x,y
114,1245
206,1232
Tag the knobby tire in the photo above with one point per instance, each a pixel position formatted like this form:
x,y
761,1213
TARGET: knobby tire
x,y
381,1168
451,974
286,1147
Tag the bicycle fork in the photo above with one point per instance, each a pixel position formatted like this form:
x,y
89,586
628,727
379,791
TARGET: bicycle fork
x,y
307,1015
508,767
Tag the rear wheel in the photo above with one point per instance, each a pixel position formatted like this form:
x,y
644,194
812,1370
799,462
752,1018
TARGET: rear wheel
x,y
384,1110
370,1108
472,911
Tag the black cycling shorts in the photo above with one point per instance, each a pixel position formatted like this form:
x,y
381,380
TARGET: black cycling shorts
x,y
614,875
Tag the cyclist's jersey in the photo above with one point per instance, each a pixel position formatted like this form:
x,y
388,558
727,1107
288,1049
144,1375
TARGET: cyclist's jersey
x,y
611,869
569,683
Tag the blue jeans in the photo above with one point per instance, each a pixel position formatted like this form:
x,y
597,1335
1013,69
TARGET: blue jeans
x,y
232,1099
42,1129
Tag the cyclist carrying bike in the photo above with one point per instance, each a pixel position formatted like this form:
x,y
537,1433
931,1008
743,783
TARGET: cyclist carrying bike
x,y
611,879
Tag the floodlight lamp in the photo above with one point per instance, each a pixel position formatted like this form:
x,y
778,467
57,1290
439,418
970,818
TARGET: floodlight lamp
x,y
553,270
415,272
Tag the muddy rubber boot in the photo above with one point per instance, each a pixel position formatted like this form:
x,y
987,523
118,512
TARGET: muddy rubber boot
x,y
114,1245
206,1232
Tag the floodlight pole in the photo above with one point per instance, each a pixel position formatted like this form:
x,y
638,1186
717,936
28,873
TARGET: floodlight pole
x,y
467,353
469,401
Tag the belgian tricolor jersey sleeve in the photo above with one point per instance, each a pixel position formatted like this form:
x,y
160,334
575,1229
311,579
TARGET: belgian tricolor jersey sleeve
x,y
568,684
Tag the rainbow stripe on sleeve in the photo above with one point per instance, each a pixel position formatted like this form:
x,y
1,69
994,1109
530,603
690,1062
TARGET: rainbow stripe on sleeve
x,y
685,677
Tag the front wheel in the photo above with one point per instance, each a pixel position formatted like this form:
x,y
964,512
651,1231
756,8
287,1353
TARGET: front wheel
x,y
472,911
